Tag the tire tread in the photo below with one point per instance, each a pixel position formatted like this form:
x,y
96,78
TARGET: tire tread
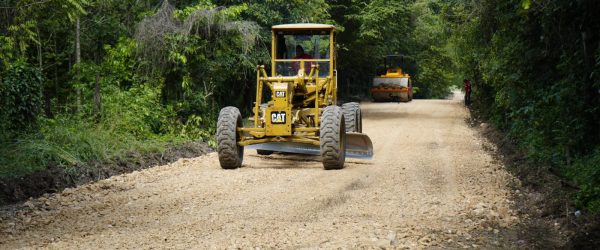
x,y
352,116
230,153
331,132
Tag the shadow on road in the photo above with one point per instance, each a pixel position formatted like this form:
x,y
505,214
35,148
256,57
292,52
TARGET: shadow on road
x,y
294,161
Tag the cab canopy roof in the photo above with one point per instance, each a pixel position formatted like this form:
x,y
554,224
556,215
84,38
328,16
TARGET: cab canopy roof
x,y
304,26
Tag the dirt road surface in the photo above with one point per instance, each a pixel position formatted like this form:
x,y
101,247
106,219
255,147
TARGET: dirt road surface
x,y
431,184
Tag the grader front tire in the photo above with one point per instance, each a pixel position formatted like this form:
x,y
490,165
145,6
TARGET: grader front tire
x,y
231,154
333,138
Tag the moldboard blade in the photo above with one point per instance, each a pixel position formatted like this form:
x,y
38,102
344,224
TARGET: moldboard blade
x,y
288,147
357,146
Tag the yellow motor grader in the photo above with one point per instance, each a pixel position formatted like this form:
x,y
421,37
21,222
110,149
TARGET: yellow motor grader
x,y
301,114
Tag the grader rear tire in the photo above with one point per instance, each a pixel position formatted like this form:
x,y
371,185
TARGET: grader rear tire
x,y
333,138
353,117
231,154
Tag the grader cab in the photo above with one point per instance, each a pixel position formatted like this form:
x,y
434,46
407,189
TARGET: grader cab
x,y
301,114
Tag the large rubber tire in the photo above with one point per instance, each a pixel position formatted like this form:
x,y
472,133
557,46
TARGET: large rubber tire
x,y
333,138
231,154
353,117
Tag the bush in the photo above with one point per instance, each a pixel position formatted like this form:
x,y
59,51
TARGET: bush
x,y
20,97
586,172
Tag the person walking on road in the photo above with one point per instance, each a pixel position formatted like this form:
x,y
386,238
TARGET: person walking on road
x,y
467,92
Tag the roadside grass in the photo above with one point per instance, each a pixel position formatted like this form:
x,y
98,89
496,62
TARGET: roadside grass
x,y
132,122
71,144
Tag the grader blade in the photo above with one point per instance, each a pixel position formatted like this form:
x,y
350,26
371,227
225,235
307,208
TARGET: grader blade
x,y
288,147
357,146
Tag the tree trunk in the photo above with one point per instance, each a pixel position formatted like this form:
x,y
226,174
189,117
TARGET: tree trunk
x,y
39,49
58,101
78,63
47,100
97,99
48,105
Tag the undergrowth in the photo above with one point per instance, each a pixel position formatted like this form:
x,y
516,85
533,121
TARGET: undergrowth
x,y
132,121
70,144
585,171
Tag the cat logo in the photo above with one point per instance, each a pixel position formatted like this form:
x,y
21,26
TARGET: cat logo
x,y
279,94
278,117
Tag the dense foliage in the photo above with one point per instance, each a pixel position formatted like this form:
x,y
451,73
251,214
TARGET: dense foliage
x,y
536,72
101,78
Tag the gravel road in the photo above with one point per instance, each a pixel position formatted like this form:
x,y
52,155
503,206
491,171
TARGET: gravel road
x,y
430,184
